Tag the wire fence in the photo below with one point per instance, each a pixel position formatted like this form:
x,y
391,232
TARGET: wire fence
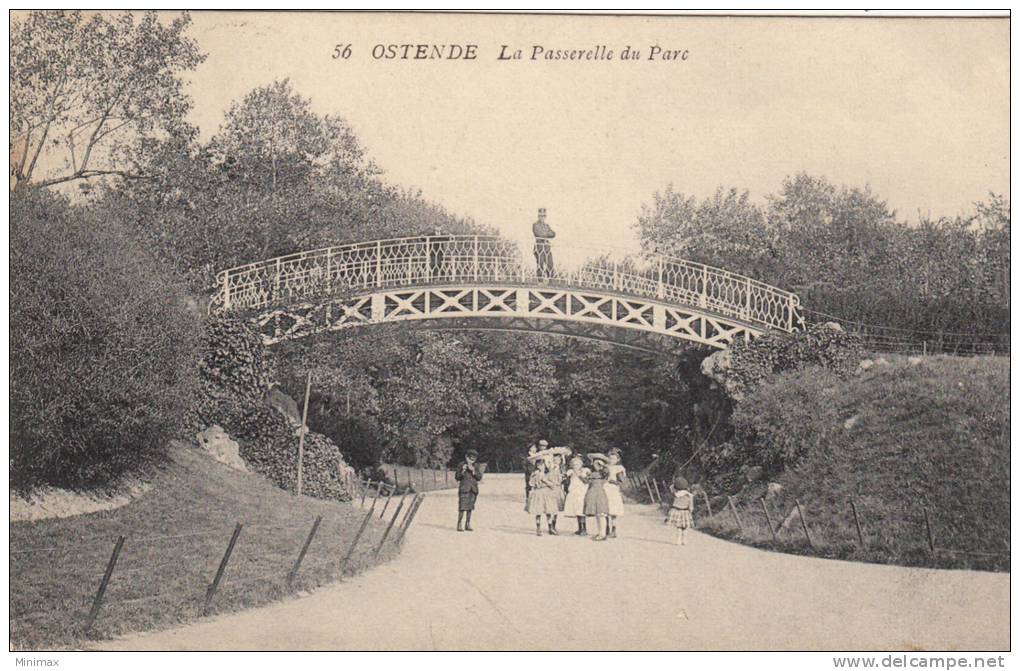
x,y
415,478
893,340
762,522
63,592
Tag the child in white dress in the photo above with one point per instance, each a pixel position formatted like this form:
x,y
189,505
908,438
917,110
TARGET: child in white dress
x,y
613,494
573,506
681,512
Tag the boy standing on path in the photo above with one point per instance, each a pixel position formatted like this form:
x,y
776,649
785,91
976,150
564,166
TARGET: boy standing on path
x,y
468,474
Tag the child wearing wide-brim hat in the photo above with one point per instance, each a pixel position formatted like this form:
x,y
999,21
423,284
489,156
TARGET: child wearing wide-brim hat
x,y
595,502
543,499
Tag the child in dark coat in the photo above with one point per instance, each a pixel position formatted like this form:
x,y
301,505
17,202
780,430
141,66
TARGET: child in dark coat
x,y
468,474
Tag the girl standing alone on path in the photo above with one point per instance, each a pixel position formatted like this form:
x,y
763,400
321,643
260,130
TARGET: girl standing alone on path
x,y
681,512
595,503
614,477
543,499
573,506
468,474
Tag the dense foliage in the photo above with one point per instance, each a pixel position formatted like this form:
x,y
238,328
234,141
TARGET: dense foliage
x,y
103,347
944,281
903,436
276,178
746,365
423,398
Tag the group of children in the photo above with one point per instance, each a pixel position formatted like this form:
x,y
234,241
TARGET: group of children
x,y
578,491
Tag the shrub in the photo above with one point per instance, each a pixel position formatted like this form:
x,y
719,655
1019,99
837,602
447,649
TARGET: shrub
x,y
103,347
269,447
897,439
747,365
236,370
775,425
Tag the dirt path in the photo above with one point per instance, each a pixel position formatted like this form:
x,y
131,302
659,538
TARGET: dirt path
x,y
493,590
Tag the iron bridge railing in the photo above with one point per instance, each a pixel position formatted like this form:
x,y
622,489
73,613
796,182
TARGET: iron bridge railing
x,y
485,260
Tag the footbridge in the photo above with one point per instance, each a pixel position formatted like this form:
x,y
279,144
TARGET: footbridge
x,y
483,282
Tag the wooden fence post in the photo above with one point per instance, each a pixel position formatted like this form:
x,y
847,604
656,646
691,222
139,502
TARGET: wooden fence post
x,y
375,499
658,495
211,592
364,490
736,516
301,436
304,550
389,527
354,543
415,505
98,601
708,504
435,479
931,537
803,523
768,518
407,513
857,522
387,504
410,482
446,477
649,488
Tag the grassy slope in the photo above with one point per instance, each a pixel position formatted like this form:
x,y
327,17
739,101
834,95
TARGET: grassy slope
x,y
176,535
933,435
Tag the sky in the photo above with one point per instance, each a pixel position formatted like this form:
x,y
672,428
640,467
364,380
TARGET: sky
x,y
916,108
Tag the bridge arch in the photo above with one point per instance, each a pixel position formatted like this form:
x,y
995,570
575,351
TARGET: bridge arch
x,y
484,282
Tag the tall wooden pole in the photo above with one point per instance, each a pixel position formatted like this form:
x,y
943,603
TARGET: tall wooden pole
x,y
303,430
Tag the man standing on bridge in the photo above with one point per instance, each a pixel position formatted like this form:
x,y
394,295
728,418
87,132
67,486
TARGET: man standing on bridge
x,y
543,249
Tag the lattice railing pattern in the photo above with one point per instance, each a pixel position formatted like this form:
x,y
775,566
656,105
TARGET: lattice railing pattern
x,y
484,260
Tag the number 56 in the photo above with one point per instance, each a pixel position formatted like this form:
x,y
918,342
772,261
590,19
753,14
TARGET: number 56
x,y
342,51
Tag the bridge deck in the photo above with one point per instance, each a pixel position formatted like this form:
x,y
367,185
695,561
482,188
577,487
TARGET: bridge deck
x,y
432,277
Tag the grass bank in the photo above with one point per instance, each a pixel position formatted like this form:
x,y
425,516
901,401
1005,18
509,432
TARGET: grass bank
x,y
176,535
897,441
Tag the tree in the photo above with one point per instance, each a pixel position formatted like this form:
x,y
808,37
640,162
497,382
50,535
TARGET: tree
x,y
277,178
271,139
84,89
726,230
103,347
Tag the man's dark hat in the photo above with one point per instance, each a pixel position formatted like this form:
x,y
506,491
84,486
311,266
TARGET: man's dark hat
x,y
472,453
